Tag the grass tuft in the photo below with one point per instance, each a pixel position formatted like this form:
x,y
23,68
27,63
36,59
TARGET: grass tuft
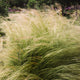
x,y
41,47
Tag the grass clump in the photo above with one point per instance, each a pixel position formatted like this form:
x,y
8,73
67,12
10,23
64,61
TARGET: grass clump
x,y
41,48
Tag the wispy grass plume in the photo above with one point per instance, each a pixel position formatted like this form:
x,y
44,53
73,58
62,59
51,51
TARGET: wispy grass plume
x,y
41,46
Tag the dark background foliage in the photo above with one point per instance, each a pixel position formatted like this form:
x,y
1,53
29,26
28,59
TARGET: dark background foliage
x,y
4,4
3,8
